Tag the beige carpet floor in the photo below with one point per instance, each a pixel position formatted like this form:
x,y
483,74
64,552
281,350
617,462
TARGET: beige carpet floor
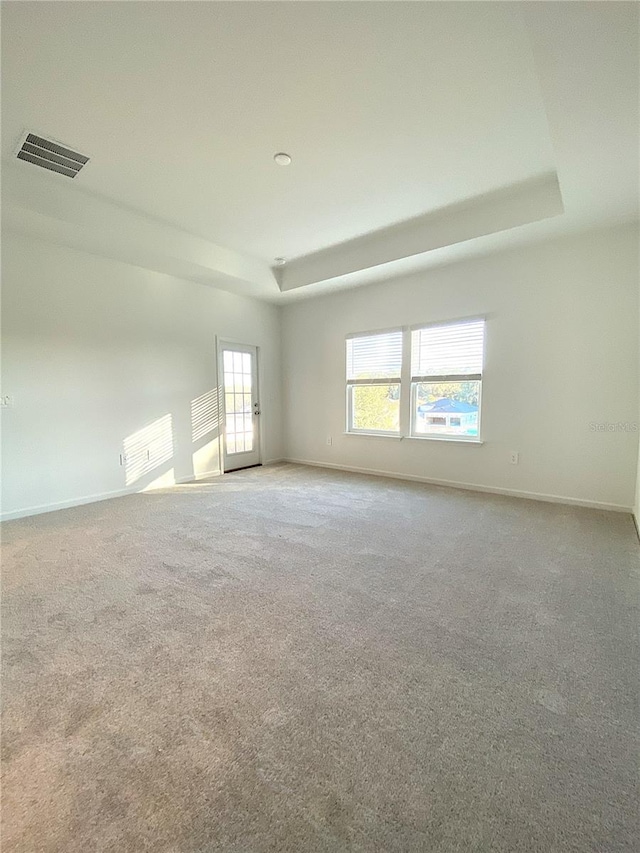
x,y
297,660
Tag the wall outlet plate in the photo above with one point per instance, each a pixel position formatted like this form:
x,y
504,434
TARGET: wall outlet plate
x,y
514,457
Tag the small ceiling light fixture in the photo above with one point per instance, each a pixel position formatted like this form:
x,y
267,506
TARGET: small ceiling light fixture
x,y
282,159
280,262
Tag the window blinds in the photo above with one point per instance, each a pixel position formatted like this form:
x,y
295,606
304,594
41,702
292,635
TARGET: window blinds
x,y
374,357
451,351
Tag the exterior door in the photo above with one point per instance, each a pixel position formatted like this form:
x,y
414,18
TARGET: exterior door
x,y
241,406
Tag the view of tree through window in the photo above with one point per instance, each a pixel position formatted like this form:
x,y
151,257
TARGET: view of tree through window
x,y
376,407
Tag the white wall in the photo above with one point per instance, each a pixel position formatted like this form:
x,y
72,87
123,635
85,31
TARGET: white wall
x,y
96,351
98,354
636,505
561,354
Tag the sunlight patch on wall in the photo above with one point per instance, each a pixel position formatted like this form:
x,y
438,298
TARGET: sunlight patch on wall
x,y
205,414
148,448
206,460
163,481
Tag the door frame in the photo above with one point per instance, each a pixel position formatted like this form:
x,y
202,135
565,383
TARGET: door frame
x,y
229,343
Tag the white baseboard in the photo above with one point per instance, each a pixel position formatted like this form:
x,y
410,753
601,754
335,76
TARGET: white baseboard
x,y
203,475
454,484
90,499
471,487
51,507
24,512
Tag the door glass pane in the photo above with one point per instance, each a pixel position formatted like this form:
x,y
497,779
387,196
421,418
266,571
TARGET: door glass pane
x,y
238,384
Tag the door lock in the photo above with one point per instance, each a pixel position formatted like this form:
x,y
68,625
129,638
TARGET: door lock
x,y
256,408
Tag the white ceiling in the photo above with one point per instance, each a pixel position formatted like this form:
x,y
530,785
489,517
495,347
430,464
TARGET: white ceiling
x,y
391,111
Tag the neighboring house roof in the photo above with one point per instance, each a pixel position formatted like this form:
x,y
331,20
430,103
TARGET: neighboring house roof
x,y
447,406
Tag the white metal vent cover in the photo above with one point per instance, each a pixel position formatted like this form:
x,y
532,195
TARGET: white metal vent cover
x,y
50,155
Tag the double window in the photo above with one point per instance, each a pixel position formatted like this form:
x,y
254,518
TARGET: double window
x,y
424,382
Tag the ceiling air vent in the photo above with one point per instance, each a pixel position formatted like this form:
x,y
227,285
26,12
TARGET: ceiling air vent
x,y
51,155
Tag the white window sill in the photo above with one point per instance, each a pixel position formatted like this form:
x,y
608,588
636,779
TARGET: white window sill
x,y
455,438
392,435
449,438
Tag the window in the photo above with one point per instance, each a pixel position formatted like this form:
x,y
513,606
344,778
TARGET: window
x,y
446,379
423,382
374,366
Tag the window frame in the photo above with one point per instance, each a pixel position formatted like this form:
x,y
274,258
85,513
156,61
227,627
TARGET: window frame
x,y
351,383
407,385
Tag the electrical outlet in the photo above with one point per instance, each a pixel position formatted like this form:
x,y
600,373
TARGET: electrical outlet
x,y
123,459
329,440
6,401
514,457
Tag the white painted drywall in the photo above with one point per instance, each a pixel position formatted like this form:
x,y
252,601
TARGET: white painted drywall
x,y
99,355
561,356
636,504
